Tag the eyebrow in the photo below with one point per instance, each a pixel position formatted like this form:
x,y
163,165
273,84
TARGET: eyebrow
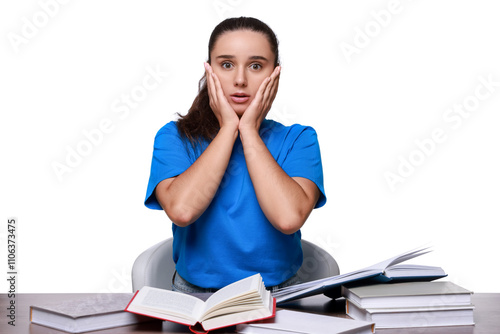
x,y
251,57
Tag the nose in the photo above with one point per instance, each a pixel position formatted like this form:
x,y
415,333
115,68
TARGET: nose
x,y
240,78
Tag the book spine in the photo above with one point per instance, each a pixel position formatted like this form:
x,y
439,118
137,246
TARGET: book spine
x,y
196,329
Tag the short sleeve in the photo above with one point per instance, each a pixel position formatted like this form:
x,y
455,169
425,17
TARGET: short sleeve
x,y
303,159
170,158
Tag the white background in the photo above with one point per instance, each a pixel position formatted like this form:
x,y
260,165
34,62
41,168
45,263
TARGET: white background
x,y
63,74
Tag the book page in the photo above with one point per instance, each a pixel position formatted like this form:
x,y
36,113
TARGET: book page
x,y
234,290
400,258
412,270
288,321
339,279
262,310
307,288
168,302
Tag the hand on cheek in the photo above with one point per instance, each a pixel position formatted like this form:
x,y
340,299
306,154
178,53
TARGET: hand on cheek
x,y
218,101
257,110
262,102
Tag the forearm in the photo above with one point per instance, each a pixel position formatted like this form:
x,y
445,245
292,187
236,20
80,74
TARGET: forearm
x,y
285,202
185,197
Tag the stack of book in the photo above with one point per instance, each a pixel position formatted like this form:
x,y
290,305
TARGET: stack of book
x,y
410,304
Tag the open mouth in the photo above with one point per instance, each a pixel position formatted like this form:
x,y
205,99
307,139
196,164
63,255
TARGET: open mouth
x,y
240,97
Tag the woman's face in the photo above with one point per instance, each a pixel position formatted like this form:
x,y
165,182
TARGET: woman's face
x,y
241,60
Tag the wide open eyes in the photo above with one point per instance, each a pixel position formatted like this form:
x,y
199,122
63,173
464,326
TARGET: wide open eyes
x,y
226,65
256,66
253,66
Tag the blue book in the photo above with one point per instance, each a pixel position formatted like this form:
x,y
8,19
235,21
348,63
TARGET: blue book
x,y
388,271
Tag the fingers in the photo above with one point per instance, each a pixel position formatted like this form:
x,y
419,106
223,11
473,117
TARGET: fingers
x,y
218,102
272,89
212,92
260,105
218,87
263,100
269,88
215,87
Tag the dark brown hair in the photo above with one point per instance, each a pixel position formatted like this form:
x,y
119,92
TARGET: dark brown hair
x,y
200,123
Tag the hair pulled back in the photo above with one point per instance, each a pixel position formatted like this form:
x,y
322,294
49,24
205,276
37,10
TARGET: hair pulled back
x,y
200,123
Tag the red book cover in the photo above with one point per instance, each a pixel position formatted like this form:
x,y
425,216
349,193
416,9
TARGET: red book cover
x,y
198,327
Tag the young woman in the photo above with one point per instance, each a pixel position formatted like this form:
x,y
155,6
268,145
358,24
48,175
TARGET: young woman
x,y
236,186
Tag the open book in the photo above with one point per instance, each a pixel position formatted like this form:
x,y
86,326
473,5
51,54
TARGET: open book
x,y
288,321
243,301
382,272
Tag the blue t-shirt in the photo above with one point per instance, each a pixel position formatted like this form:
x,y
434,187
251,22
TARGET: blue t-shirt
x,y
233,239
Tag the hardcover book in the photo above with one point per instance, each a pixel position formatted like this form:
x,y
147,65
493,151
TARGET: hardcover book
x,y
243,301
406,317
382,272
409,294
287,321
87,312
411,304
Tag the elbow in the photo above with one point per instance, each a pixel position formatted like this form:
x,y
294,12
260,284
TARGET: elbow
x,y
176,209
181,220
289,224
180,216
288,230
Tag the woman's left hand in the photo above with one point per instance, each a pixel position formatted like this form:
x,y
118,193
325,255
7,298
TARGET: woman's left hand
x,y
261,104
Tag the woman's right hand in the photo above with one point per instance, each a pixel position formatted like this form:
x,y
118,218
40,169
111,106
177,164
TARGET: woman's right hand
x,y
218,102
